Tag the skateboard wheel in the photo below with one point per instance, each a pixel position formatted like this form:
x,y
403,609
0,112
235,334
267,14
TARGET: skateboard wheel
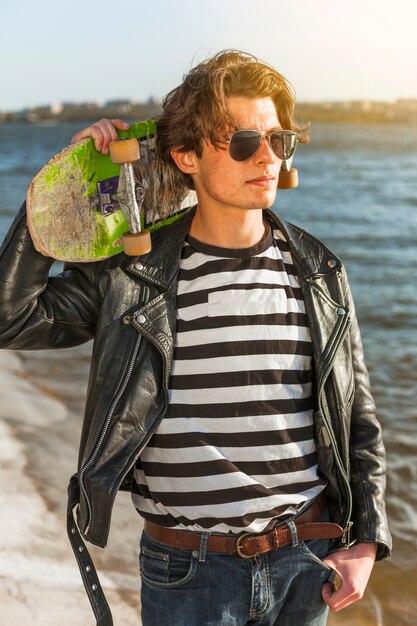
x,y
136,244
288,180
124,150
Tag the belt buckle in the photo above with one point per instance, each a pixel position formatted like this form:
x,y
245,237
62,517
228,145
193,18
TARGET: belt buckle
x,y
239,546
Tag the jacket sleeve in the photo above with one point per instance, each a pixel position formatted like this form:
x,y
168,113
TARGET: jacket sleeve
x,y
38,311
367,454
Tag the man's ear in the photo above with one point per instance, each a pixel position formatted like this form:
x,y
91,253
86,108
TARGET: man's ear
x,y
185,161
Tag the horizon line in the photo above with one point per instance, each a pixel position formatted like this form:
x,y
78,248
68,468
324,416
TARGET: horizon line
x,y
154,101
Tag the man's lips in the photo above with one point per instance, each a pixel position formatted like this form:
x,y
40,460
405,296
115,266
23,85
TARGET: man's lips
x,y
263,181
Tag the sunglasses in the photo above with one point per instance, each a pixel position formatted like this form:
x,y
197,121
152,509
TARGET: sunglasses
x,y
244,144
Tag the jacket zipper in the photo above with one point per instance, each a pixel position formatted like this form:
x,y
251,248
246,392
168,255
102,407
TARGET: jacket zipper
x,y
341,334
104,430
149,434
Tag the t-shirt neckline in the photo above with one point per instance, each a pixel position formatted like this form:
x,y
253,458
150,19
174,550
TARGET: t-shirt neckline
x,y
234,253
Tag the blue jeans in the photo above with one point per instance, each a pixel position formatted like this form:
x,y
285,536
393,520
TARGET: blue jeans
x,y
199,588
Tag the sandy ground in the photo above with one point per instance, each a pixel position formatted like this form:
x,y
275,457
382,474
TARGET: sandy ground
x,y
39,579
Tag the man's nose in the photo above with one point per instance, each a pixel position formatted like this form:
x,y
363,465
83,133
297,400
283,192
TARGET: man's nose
x,y
265,154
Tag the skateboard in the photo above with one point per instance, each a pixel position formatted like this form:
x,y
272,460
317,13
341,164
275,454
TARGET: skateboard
x,y
84,206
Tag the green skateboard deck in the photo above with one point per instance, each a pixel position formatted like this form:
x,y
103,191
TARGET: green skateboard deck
x,y
76,204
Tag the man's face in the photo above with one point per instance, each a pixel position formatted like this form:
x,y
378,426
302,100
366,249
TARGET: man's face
x,y
222,183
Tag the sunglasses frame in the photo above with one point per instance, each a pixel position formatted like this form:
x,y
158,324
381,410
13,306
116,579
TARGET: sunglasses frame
x,y
263,135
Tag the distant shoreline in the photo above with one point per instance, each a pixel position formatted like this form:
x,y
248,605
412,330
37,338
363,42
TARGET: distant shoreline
x,y
347,112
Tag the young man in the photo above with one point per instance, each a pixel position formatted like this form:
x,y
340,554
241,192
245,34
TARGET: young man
x,y
228,390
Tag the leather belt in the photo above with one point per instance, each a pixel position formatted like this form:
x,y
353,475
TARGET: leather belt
x,y
248,545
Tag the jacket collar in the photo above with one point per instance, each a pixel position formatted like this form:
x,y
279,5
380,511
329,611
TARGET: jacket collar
x,y
160,265
313,257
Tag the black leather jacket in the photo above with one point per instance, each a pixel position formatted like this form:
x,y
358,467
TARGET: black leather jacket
x,y
128,305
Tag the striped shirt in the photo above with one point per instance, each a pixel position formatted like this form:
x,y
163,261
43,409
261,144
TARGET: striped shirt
x,y
236,448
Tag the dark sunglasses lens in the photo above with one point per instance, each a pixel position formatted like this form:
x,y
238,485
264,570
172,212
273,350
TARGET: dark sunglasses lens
x,y
283,144
244,144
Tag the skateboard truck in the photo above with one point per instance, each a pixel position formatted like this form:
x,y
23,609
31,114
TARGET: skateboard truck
x,y
288,176
137,241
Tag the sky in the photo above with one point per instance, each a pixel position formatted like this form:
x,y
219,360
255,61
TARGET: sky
x,y
83,50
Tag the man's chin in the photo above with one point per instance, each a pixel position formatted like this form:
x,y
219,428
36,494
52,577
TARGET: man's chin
x,y
266,204
267,201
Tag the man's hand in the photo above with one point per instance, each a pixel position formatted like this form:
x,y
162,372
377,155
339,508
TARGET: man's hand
x,y
102,133
354,567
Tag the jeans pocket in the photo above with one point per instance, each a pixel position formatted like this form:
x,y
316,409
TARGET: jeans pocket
x,y
165,567
316,550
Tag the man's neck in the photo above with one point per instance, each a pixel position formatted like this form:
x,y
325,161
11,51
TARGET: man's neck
x,y
229,229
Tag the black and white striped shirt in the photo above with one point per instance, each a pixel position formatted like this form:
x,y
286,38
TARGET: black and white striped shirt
x,y
236,449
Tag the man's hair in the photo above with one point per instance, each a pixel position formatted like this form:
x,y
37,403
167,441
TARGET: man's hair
x,y
196,110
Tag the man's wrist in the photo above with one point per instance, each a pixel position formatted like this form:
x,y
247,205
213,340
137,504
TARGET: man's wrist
x,y
362,549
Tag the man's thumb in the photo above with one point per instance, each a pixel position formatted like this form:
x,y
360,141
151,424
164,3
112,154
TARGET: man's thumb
x,y
326,593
